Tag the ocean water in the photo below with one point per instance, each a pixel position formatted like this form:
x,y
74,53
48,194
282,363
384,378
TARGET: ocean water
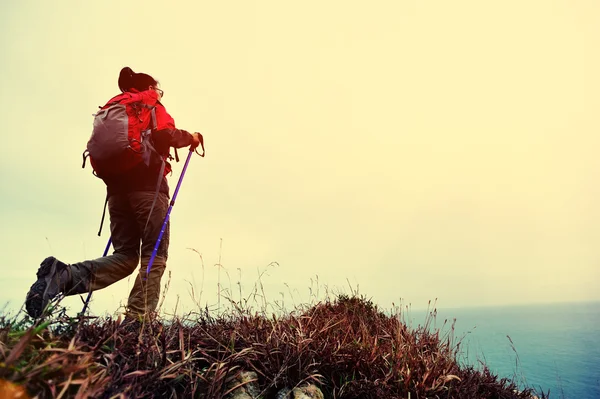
x,y
553,347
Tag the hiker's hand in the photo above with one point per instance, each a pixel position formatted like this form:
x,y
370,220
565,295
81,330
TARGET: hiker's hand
x,y
196,138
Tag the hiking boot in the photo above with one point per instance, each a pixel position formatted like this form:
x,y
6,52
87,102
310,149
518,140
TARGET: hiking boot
x,y
53,276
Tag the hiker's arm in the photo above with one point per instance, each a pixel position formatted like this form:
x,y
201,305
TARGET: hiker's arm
x,y
176,138
167,135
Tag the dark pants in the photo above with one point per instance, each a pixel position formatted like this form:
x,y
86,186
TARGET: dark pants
x,y
131,240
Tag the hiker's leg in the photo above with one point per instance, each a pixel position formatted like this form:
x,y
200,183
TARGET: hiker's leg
x,y
145,293
102,272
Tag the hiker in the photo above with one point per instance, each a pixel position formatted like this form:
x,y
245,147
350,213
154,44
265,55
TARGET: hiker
x,y
137,199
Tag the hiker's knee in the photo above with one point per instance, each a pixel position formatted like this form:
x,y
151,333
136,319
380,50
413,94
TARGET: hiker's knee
x,y
126,259
102,272
132,260
158,265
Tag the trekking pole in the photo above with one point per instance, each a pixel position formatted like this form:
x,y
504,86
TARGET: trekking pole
x,y
89,296
164,225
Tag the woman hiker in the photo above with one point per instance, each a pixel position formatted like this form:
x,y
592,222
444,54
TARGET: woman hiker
x,y
137,200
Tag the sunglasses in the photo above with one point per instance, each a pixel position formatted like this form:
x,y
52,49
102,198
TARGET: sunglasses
x,y
160,91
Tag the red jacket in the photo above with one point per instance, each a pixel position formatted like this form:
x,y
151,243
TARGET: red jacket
x,y
166,135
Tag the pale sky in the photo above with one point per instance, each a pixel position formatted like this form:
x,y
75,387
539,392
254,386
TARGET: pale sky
x,y
415,149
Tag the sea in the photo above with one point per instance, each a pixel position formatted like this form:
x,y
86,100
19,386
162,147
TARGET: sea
x,y
553,348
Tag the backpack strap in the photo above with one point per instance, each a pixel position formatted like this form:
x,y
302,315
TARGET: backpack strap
x,y
103,215
158,182
153,113
85,156
162,164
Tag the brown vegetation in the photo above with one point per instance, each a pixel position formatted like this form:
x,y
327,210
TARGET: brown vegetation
x,y
347,346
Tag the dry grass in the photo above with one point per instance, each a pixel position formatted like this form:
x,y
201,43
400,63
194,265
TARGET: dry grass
x,y
346,346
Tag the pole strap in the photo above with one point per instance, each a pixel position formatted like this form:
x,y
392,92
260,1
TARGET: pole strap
x,y
202,144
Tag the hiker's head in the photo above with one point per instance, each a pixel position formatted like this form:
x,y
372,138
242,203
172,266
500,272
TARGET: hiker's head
x,y
139,81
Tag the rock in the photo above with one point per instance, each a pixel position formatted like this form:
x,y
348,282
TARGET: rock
x,y
304,392
307,392
249,389
284,393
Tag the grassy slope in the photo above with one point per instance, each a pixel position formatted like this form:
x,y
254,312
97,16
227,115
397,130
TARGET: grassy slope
x,y
346,346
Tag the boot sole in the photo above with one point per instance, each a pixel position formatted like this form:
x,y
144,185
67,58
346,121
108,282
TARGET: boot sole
x,y
37,297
